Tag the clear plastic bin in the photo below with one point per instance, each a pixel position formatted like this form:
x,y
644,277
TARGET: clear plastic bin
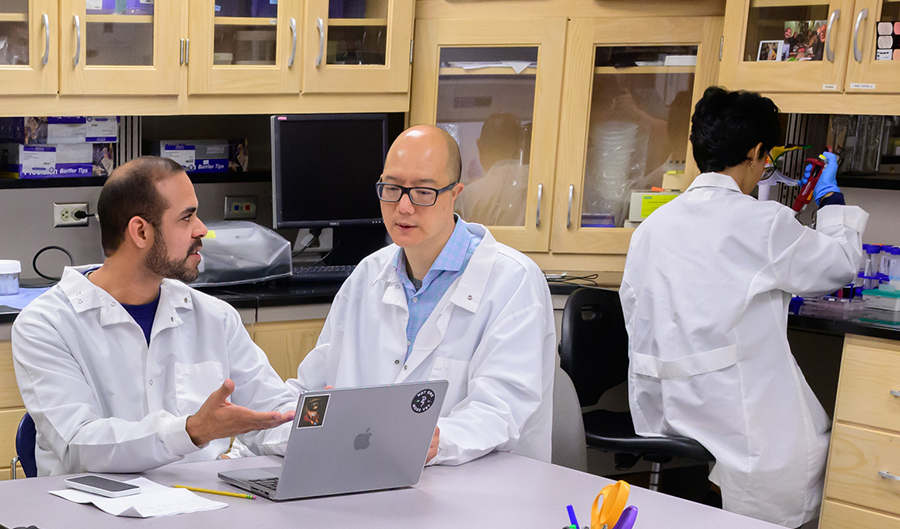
x,y
9,277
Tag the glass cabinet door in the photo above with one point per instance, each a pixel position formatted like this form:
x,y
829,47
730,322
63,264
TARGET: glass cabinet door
x,y
786,45
626,123
358,45
874,62
121,48
497,93
244,47
28,39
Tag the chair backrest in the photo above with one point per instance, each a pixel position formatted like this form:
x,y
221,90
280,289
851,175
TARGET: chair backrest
x,y
25,440
593,345
569,448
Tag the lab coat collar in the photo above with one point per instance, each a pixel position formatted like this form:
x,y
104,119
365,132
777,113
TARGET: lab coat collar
x,y
472,283
715,180
84,295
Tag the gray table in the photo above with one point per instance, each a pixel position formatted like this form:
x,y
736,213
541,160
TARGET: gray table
x,y
498,491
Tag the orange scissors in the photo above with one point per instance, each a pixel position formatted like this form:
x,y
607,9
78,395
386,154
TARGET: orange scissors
x,y
615,497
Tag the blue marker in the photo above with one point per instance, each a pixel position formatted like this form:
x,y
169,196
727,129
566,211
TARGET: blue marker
x,y
572,516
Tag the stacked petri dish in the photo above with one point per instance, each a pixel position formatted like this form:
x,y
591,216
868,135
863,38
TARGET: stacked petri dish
x,y
611,148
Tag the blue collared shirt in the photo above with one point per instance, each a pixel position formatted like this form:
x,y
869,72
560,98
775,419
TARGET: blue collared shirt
x,y
449,265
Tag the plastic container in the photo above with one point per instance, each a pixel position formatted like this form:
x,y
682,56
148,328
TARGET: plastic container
x,y
9,277
872,259
882,300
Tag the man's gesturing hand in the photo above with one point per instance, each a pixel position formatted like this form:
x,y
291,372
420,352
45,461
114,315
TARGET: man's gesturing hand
x,y
217,418
435,442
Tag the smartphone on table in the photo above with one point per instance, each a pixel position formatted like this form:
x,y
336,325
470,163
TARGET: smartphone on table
x,y
102,486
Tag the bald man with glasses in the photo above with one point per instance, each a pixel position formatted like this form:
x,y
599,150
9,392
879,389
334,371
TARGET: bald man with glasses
x,y
445,301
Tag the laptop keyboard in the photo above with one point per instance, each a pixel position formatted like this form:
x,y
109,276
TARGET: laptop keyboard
x,y
266,483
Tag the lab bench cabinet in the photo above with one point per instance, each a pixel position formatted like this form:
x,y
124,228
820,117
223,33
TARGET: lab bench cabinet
x,y
811,46
861,482
200,48
557,120
11,409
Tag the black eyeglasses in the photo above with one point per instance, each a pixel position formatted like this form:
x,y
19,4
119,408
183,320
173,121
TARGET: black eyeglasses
x,y
420,196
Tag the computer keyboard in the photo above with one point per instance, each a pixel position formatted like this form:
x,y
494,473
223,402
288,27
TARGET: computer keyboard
x,y
321,273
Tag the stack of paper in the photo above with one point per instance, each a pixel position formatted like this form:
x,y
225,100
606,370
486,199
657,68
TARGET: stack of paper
x,y
154,500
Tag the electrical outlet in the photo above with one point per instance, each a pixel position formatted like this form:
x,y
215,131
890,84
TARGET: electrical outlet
x,y
64,214
240,207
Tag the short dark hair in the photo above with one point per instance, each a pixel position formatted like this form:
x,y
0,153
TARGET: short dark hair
x,y
131,192
726,125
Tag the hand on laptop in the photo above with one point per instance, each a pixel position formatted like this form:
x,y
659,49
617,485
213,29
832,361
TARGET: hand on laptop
x,y
217,418
435,441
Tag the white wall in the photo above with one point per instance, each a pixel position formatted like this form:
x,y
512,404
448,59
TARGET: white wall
x,y
26,221
883,207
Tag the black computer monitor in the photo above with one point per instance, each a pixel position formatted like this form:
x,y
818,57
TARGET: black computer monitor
x,y
324,169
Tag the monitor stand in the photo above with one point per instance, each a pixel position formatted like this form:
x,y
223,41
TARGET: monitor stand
x,y
353,243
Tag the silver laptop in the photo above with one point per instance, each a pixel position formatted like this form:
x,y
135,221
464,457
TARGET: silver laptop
x,y
352,440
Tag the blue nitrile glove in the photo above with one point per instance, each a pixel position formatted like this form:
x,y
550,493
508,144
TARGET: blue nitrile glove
x,y
827,180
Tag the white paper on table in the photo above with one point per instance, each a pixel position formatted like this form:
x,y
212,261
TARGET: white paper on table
x,y
153,500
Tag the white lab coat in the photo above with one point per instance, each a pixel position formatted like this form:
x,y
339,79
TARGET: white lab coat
x,y
498,198
491,336
705,293
103,401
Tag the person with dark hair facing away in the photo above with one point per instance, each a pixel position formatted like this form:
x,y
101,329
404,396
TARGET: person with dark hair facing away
x,y
705,293
125,368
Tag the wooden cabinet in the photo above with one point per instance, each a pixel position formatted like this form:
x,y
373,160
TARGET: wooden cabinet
x,y
120,54
244,52
470,72
628,94
11,409
366,47
840,36
566,87
862,481
287,343
30,58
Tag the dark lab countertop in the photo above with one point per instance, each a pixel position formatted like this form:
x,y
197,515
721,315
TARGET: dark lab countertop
x,y
284,293
800,323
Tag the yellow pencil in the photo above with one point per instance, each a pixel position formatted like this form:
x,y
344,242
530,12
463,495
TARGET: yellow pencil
x,y
220,492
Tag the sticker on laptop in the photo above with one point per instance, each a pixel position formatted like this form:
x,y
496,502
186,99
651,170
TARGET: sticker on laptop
x,y
312,411
423,401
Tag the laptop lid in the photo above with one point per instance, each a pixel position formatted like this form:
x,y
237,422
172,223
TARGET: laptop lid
x,y
359,439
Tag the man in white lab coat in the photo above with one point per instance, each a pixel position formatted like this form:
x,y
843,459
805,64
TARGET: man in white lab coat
x,y
123,367
705,295
445,301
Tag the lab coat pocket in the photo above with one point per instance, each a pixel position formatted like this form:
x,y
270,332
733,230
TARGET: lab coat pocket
x,y
456,373
194,383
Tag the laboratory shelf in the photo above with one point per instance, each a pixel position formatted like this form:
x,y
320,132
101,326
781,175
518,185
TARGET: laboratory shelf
x,y
357,22
93,181
13,17
874,181
246,21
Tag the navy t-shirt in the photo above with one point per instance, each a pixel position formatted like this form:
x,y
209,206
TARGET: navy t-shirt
x,y
144,315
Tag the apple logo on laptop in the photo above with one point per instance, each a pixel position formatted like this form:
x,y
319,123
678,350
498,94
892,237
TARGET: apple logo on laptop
x,y
361,442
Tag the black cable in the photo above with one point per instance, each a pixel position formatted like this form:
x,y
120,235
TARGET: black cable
x,y
82,215
44,249
589,279
314,232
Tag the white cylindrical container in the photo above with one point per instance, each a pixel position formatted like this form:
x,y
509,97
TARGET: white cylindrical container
x,y
9,277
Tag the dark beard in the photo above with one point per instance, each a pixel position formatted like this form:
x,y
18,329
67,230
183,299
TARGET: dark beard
x,y
175,269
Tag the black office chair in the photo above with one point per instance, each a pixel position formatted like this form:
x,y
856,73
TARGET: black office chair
x,y
25,441
593,351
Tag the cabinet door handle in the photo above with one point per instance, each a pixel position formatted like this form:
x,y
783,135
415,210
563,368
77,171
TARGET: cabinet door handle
x,y
293,26
895,393
857,53
829,53
77,22
888,475
187,51
569,214
45,21
320,25
537,221
181,52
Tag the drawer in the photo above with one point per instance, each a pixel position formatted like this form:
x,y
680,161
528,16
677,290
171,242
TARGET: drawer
x,y
9,422
9,390
857,455
870,370
840,516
